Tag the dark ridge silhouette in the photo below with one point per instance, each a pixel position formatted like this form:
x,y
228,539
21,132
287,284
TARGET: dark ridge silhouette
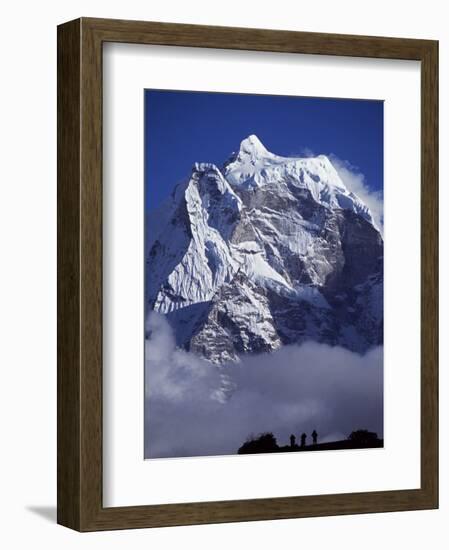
x,y
266,443
364,437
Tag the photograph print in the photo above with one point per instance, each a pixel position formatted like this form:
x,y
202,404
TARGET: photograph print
x,y
263,274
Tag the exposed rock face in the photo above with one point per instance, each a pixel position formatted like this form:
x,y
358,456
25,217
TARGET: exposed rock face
x,y
266,251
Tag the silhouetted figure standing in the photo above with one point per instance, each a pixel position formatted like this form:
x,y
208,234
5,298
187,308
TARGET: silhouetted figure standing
x,y
303,439
292,441
314,437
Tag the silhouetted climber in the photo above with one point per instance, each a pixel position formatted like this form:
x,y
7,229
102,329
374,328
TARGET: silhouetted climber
x,y
314,437
292,441
303,439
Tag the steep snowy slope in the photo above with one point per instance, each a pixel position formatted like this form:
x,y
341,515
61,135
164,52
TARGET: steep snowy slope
x,y
266,251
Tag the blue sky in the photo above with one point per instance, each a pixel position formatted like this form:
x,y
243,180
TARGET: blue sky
x,y
186,127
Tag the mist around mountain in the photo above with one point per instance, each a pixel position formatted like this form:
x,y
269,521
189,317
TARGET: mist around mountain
x,y
264,281
196,408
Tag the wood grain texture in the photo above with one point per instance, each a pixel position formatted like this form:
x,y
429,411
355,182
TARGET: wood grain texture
x,y
80,274
144,32
429,271
69,408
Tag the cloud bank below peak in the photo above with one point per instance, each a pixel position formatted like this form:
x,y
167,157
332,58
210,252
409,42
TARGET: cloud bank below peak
x,y
193,408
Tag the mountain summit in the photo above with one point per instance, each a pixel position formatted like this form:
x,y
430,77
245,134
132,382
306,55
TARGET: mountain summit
x,y
252,149
266,251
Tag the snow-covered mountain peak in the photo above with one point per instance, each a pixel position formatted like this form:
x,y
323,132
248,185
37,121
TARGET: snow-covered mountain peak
x,y
253,147
256,167
267,250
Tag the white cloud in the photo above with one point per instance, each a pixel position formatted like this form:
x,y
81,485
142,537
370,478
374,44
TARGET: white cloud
x,y
355,182
307,152
295,389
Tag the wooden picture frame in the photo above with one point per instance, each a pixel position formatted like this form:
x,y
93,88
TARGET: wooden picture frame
x,y
80,503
